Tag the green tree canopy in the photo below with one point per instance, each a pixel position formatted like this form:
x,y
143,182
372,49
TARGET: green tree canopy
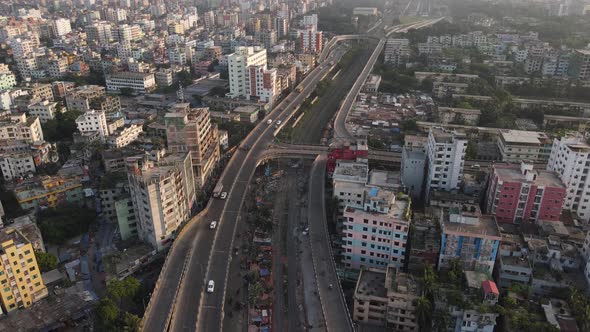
x,y
46,261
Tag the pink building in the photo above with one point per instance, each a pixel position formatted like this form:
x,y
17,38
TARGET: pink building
x,y
519,193
376,236
202,67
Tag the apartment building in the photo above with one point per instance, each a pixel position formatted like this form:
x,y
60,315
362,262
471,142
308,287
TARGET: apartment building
x,y
455,115
92,97
445,153
263,84
386,298
447,89
49,191
238,63
412,170
513,265
44,110
139,82
570,160
16,165
124,136
162,194
375,235
126,218
93,121
7,80
99,33
190,130
21,127
61,27
310,40
469,236
527,146
20,276
397,51
579,67
349,180
517,194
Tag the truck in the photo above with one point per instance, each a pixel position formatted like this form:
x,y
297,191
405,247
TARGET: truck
x,y
218,189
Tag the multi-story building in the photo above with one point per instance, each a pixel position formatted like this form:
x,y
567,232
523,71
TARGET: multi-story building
x,y
61,27
470,237
99,33
190,130
310,40
527,146
386,298
48,191
20,276
15,165
349,180
445,153
162,194
446,89
164,77
92,97
375,235
570,160
93,121
513,265
124,136
57,68
579,66
44,110
126,217
465,116
517,194
138,82
263,85
412,170
238,63
21,127
7,79
397,51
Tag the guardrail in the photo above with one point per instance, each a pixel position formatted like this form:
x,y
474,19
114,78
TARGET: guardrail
x,y
333,263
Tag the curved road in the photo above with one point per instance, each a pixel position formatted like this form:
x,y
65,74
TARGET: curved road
x,y
179,302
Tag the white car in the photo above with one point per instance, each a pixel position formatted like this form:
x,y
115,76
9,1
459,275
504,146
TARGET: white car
x,y
279,122
223,195
210,286
269,121
213,224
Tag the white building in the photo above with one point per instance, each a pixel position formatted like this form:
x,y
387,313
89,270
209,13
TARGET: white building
x,y
446,156
7,80
99,33
45,110
16,165
397,51
163,195
139,82
349,180
19,127
263,85
62,27
57,67
570,159
238,63
124,136
93,121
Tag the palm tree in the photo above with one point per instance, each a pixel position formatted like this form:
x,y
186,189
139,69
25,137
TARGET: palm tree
x,y
429,280
423,313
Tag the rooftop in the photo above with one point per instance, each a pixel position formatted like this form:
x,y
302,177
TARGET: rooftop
x,y
349,170
371,283
524,137
481,226
513,173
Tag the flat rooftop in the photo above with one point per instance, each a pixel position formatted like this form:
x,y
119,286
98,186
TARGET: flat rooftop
x,y
486,226
371,283
523,137
544,178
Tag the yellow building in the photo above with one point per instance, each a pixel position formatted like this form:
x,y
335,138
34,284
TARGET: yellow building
x,y
20,279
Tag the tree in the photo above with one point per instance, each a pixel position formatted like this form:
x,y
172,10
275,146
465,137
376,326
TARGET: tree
x,y
60,224
106,311
127,92
409,125
62,127
254,292
126,288
424,313
131,322
430,280
46,261
185,78
471,151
